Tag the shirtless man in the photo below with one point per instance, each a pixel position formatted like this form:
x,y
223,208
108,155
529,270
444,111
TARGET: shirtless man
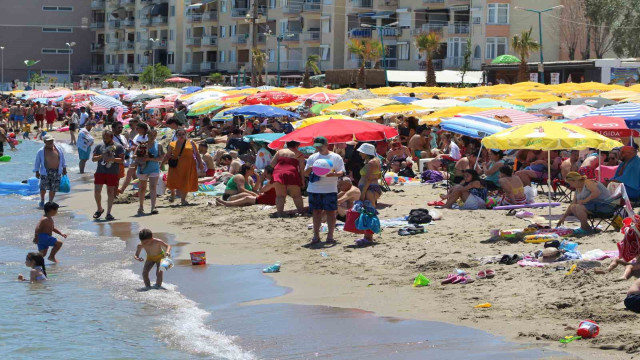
x,y
39,115
49,167
512,186
210,166
419,144
347,195
632,301
591,163
44,232
465,163
572,163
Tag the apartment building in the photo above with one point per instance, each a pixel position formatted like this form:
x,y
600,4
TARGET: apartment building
x,y
205,36
40,30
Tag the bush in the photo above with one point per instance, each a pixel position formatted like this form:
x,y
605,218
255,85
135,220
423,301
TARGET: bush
x,y
161,73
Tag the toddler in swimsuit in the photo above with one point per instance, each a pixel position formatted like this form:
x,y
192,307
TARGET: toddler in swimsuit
x,y
156,250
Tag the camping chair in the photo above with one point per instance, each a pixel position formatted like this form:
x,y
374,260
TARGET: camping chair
x,y
562,192
610,218
383,183
448,167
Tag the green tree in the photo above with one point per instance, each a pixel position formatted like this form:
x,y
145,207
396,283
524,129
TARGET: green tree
x,y
122,79
36,78
604,18
523,44
466,62
429,44
310,65
259,62
625,38
365,50
161,73
216,78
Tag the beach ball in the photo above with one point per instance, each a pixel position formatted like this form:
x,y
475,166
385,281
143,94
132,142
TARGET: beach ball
x,y
322,167
491,202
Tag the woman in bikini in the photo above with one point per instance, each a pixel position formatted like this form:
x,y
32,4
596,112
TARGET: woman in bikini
x,y
241,184
472,192
288,176
267,192
512,187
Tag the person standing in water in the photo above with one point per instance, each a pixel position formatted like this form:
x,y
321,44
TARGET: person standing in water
x,y
49,167
156,250
38,271
44,232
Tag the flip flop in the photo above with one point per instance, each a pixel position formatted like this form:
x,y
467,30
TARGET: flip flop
x,y
482,275
313,243
435,203
466,280
458,279
490,273
505,259
514,259
331,242
155,212
449,279
109,217
97,214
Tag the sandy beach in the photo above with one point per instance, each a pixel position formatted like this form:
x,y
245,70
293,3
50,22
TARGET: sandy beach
x,y
531,305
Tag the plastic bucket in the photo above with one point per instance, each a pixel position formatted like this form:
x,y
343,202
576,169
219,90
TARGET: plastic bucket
x,y
198,258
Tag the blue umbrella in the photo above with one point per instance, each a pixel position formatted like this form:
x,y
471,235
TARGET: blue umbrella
x,y
242,87
265,137
191,89
630,112
404,99
473,126
261,110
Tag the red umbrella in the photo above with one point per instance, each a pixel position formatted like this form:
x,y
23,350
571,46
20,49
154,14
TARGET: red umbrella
x,y
320,97
268,98
76,98
609,126
177,80
338,131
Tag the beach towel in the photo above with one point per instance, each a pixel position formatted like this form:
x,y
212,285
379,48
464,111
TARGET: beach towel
x,y
629,247
431,176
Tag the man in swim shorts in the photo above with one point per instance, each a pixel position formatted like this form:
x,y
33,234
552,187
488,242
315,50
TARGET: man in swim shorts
x,y
632,301
49,168
44,232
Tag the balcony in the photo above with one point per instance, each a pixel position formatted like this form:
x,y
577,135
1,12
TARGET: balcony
x,y
437,64
97,68
208,66
312,6
240,39
189,67
436,27
291,37
97,4
239,12
390,32
127,2
126,45
261,39
209,40
97,47
292,8
390,63
159,20
113,45
129,22
145,21
162,44
291,65
388,3
97,25
210,16
115,24
193,41
360,33
365,4
312,36
459,28
194,18
454,62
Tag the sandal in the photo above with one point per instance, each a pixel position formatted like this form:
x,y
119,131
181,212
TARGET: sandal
x,y
109,217
363,242
331,241
141,211
490,273
313,243
449,279
466,280
482,275
435,203
458,279
97,214
154,212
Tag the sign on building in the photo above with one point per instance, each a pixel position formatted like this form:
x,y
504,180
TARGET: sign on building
x,y
625,76
555,78
533,77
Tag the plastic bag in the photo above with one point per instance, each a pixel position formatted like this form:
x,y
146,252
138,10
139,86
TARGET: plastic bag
x,y
65,184
368,221
530,192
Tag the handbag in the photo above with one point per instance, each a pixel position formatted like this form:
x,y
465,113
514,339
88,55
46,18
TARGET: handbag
x,y
350,223
174,162
65,184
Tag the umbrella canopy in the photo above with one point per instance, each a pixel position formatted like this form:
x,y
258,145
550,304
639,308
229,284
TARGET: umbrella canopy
x,y
492,103
387,110
265,137
79,96
596,102
318,108
357,105
320,97
191,89
404,99
505,59
515,117
435,117
316,119
628,111
549,135
201,95
437,103
268,98
568,111
338,131
260,110
473,126
611,127
56,93
618,95
141,97
204,107
106,102
159,104
177,80
221,117
356,95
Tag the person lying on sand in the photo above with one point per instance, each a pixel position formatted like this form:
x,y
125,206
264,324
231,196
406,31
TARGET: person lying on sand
x,y
266,193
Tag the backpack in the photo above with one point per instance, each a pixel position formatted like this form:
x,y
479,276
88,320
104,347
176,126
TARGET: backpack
x,y
419,216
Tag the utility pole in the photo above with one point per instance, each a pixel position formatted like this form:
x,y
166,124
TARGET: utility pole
x,y
254,43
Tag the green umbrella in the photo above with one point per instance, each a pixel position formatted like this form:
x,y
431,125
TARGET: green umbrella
x,y
505,59
317,108
204,111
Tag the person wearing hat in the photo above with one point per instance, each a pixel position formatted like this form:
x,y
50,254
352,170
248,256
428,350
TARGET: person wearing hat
x,y
323,191
369,187
628,172
591,196
49,167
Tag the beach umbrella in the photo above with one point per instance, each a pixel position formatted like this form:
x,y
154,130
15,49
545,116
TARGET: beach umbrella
x,y
492,103
392,90
318,108
568,111
35,94
204,107
260,111
505,59
596,102
264,137
515,117
436,117
393,109
316,119
177,79
630,112
321,97
79,96
618,95
57,93
106,102
159,104
473,126
268,98
547,136
404,99
202,95
338,131
437,103
611,127
265,87
291,106
352,94
357,105
141,97
191,89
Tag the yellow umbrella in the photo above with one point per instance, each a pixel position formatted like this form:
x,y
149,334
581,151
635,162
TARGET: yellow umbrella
x,y
435,117
204,106
404,109
349,105
316,119
618,95
289,105
391,90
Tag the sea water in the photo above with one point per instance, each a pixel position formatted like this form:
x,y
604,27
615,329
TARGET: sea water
x,y
93,305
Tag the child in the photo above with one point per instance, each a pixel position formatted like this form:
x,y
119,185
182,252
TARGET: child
x,y
631,268
44,232
156,250
632,301
38,272
26,131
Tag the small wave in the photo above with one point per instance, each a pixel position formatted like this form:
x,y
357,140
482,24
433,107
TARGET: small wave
x,y
68,149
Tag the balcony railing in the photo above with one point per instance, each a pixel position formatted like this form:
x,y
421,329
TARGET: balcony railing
x,y
158,20
129,22
313,6
97,25
115,24
436,27
359,33
191,67
390,32
194,18
97,68
208,66
239,39
291,65
162,44
312,35
97,47
454,61
261,39
210,16
97,4
140,67
459,28
145,21
292,8
362,3
433,1
209,40
390,64
239,12
127,2
437,64
193,41
291,37
126,45
113,45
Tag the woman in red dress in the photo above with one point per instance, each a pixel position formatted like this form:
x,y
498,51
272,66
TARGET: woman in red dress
x,y
288,176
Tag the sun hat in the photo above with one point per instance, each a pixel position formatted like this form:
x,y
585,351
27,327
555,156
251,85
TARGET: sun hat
x,y
574,176
550,254
367,149
47,138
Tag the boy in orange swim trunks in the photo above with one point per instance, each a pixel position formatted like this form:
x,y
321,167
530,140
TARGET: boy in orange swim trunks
x,y
156,250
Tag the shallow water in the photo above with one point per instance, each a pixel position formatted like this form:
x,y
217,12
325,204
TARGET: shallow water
x,y
92,306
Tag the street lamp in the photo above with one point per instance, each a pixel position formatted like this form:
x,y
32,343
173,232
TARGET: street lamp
x,y
2,67
539,12
279,39
267,35
384,52
153,60
70,45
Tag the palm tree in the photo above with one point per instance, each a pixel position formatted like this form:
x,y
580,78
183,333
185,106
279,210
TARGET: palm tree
x,y
366,50
373,52
523,45
429,44
310,65
259,61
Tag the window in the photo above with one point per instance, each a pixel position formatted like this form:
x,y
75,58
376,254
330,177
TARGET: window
x,y
456,47
187,57
272,4
232,31
272,55
403,51
232,56
56,51
172,12
404,20
57,30
188,33
477,52
223,31
223,6
172,34
498,14
477,20
324,55
171,58
57,8
222,56
326,26
496,46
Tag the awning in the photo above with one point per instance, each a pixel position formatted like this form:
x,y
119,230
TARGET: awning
x,y
383,14
403,10
366,14
443,77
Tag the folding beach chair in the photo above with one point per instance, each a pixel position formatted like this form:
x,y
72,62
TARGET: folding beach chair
x,y
562,192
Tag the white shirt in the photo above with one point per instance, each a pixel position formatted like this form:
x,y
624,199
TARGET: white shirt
x,y
85,140
105,84
83,118
454,151
326,184
116,84
139,138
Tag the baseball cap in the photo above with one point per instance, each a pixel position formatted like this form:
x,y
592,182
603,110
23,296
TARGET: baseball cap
x,y
47,138
320,141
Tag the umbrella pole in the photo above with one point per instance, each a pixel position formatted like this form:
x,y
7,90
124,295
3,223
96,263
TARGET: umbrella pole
x,y
549,183
479,152
599,165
